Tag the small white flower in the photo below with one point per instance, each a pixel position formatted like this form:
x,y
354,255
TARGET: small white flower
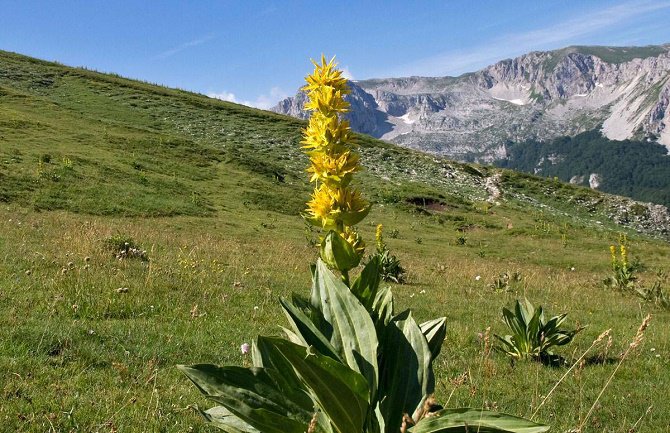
x,y
653,349
422,291
244,348
572,268
478,277
255,307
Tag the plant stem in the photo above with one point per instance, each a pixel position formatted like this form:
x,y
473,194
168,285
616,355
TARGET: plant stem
x,y
345,277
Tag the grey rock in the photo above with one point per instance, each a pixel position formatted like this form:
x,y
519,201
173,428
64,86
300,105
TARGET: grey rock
x,y
623,91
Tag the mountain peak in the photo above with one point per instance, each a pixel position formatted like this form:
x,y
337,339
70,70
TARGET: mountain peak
x,y
624,91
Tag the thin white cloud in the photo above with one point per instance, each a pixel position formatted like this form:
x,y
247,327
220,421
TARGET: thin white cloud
x,y
263,101
181,47
346,73
513,44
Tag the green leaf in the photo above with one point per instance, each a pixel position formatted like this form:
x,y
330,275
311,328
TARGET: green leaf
x,y
225,420
341,393
383,306
406,376
338,253
524,311
466,420
515,323
366,285
353,218
304,327
251,395
434,330
354,336
279,369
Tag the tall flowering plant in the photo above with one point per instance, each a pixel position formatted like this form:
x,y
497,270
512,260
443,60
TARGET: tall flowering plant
x,y
335,205
348,362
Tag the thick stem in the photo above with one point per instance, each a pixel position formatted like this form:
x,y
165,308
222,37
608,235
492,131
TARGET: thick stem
x,y
345,277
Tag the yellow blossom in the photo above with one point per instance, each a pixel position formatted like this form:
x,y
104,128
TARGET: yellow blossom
x,y
334,204
326,133
328,101
329,169
378,237
325,75
354,239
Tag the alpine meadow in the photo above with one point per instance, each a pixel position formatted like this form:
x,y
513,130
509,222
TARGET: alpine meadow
x,y
144,228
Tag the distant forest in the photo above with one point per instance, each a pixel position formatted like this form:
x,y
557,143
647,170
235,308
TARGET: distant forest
x,y
637,169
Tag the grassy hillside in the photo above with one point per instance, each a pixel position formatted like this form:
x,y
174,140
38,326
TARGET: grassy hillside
x,y
212,191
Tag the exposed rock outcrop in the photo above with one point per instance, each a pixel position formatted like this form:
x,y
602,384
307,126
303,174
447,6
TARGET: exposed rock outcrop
x,y
540,95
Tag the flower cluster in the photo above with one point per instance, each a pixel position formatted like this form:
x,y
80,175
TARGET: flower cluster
x,y
623,261
335,205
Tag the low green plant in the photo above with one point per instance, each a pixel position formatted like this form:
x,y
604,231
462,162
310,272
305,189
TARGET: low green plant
x,y
505,280
533,337
390,268
348,362
623,276
124,247
656,294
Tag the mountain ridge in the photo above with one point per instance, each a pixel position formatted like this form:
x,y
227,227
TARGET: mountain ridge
x,y
624,91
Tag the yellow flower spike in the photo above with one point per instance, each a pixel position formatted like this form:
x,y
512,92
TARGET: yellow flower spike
x,y
379,240
325,75
328,101
321,209
326,133
334,205
335,171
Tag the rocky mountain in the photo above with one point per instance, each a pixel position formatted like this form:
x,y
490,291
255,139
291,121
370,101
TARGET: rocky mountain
x,y
623,91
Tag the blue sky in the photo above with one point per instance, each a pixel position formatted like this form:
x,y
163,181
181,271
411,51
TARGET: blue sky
x,y
257,52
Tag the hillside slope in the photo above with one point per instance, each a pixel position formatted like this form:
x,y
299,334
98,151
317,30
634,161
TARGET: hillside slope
x,y
98,144
209,192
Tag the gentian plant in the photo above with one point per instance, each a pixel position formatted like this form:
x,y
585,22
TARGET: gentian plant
x,y
348,363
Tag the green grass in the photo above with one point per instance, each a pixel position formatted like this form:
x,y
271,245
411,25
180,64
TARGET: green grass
x,y
615,55
212,190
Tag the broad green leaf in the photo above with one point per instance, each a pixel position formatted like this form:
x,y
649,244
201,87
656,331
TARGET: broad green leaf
x,y
533,331
251,395
524,311
383,307
225,420
366,285
341,393
292,337
354,336
515,323
405,373
279,369
434,330
338,253
466,420
304,327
